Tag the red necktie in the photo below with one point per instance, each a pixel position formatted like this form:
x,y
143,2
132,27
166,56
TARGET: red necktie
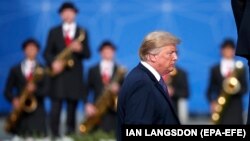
x,y
30,74
105,77
228,73
67,38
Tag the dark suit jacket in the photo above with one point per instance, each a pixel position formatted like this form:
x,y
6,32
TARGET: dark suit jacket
x,y
29,123
180,85
234,110
241,11
96,85
70,83
142,100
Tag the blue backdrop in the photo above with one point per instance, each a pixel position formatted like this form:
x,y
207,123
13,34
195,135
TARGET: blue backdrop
x,y
201,25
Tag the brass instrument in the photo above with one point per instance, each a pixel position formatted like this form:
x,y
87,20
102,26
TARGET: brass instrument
x,y
168,78
107,100
230,86
28,102
66,55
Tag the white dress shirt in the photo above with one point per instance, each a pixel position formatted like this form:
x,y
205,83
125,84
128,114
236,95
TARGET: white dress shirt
x,y
106,66
28,67
152,70
70,29
227,65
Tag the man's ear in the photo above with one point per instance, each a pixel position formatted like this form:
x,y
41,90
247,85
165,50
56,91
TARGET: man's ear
x,y
152,58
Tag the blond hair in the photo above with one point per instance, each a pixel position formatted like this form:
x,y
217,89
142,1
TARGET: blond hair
x,y
154,41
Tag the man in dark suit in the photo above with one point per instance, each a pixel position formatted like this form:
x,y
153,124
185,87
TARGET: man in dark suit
x,y
233,110
143,98
241,11
178,89
68,83
99,77
30,123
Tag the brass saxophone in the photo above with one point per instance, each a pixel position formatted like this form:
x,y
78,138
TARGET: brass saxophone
x,y
107,100
230,86
28,102
168,78
66,55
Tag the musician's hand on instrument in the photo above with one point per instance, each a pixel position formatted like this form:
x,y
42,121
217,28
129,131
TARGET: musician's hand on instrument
x,y
115,88
170,91
31,87
212,106
76,46
57,66
90,110
16,103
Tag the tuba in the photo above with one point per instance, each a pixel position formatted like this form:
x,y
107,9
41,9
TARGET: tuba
x,y
66,55
230,87
28,102
107,100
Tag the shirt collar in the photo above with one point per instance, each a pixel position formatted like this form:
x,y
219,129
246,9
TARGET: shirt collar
x,y
67,26
29,62
152,70
107,63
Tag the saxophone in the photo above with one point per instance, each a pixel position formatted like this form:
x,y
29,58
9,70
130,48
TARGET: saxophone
x,y
28,102
107,100
66,55
168,78
230,87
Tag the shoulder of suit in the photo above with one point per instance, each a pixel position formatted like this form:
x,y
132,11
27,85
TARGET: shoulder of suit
x,y
95,66
40,65
15,67
81,28
215,66
56,28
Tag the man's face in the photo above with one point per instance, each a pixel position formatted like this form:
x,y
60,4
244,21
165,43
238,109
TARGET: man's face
x,y
68,15
107,53
31,51
228,52
166,59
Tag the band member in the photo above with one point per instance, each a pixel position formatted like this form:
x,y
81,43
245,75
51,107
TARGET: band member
x,y
233,110
99,77
29,124
178,89
144,98
241,12
68,83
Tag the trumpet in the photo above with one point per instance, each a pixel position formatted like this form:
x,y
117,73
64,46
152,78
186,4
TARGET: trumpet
x,y
107,100
66,55
230,87
28,102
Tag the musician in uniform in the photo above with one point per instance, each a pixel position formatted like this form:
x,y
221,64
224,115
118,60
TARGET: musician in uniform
x,y
100,75
68,83
29,124
233,110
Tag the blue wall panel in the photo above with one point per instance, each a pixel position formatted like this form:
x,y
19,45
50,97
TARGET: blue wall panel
x,y
200,24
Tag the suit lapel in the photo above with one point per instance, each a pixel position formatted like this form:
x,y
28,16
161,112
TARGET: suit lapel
x,y
157,84
159,87
21,74
98,73
167,99
61,37
218,72
114,71
77,32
